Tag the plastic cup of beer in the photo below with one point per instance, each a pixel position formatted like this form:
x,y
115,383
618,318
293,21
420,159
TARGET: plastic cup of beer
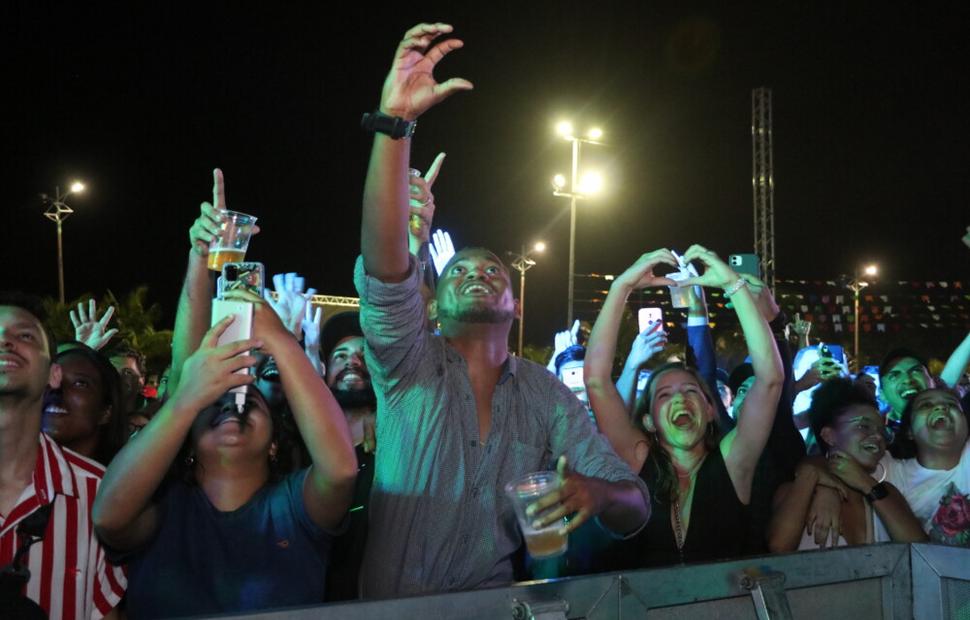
x,y
233,240
542,542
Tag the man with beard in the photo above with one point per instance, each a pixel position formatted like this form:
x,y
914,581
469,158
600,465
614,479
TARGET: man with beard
x,y
342,349
459,417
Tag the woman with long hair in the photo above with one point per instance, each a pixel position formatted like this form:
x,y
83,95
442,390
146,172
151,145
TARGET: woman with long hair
x,y
700,482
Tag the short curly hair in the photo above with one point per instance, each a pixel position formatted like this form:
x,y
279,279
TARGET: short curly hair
x,y
831,400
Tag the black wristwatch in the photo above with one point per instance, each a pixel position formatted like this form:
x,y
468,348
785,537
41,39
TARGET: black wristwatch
x,y
877,492
394,126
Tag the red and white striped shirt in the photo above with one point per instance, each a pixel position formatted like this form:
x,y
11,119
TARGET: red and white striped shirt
x,y
69,575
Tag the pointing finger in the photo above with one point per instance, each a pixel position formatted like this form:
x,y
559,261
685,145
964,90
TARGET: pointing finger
x,y
432,174
218,190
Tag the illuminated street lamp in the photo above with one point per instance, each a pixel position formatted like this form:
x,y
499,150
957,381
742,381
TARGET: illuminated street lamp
x,y
522,263
57,211
856,285
579,188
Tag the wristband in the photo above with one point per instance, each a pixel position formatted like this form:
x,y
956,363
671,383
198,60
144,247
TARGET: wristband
x,y
734,288
393,126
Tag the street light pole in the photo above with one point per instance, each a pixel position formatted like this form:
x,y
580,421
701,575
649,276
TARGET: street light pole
x,y
856,285
572,230
577,189
57,211
522,263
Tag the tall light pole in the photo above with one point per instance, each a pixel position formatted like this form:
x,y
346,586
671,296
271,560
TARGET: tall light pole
x,y
856,285
579,188
522,263
57,211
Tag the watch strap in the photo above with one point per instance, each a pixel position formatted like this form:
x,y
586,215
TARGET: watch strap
x,y
393,126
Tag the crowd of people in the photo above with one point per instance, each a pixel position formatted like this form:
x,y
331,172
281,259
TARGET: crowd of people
x,y
366,456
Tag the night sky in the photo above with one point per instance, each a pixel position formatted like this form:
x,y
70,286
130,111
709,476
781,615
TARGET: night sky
x,y
871,134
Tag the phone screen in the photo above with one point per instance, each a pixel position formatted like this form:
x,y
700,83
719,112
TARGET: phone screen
x,y
242,276
646,316
573,378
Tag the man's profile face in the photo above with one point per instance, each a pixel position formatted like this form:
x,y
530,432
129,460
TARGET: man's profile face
x,y
475,287
25,363
906,377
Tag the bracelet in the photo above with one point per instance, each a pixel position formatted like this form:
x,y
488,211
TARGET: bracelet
x,y
394,126
737,286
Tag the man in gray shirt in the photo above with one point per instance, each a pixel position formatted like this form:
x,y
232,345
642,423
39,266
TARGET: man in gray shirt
x,y
457,416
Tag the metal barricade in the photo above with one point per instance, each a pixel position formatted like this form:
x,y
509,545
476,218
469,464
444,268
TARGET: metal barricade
x,y
889,581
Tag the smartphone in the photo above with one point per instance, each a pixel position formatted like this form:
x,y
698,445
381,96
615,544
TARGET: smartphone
x,y
832,351
648,315
745,263
249,276
573,378
240,329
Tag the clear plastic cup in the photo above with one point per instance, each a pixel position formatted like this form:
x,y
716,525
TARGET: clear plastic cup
x,y
542,542
233,240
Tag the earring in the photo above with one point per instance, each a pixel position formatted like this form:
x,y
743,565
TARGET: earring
x,y
190,460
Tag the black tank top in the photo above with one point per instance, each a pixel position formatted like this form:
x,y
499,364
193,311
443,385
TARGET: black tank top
x,y
716,530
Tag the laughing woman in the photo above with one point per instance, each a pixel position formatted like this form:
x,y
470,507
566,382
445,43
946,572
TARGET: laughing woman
x,y
234,536
84,412
852,434
700,483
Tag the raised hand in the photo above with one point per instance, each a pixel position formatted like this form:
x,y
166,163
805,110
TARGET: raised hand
x,y
312,320
422,201
716,271
640,274
762,296
291,302
567,338
646,345
442,249
90,331
211,371
801,329
211,220
410,88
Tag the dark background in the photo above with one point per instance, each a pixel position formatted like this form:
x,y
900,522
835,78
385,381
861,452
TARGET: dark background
x,y
870,128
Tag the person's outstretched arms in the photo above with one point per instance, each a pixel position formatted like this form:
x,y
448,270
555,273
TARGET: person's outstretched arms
x,y
957,363
91,330
409,90
743,446
194,311
123,514
330,483
607,404
645,345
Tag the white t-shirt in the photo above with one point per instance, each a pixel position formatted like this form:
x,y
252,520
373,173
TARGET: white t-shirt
x,y
938,497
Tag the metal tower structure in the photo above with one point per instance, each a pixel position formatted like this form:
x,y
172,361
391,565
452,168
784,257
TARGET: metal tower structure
x,y
763,182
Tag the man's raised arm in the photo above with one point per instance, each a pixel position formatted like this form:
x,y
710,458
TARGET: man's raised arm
x,y
409,90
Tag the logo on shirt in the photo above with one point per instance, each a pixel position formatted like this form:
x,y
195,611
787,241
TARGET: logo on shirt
x,y
951,523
